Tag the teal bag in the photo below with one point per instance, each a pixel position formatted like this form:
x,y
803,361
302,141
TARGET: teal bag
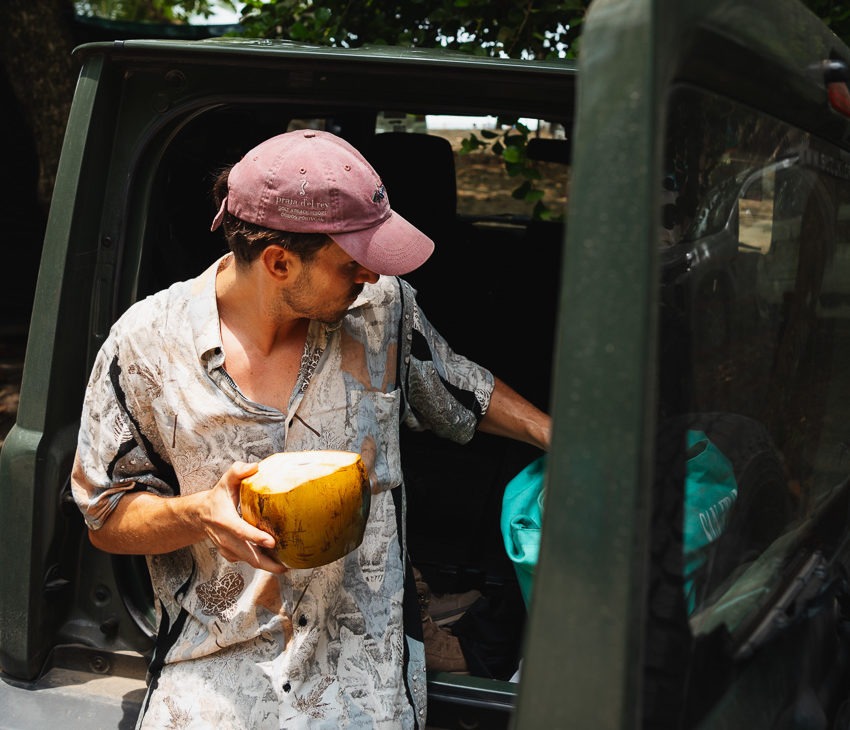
x,y
710,492
522,518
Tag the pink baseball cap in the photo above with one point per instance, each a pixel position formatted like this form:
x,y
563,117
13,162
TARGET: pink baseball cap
x,y
311,181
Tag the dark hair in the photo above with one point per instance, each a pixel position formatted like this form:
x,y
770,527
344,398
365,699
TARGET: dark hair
x,y
248,240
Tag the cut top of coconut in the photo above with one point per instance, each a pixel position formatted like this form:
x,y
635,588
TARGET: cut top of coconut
x,y
284,471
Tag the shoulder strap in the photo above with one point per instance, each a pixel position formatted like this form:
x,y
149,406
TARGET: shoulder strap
x,y
405,335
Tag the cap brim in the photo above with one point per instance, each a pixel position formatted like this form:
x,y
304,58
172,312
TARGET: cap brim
x,y
392,247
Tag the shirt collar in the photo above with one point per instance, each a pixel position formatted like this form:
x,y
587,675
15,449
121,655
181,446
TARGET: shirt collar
x,y
203,315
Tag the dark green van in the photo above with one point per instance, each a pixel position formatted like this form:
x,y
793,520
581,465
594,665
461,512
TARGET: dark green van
x,y
682,309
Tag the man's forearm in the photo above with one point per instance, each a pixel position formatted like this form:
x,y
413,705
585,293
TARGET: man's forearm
x,y
512,416
147,524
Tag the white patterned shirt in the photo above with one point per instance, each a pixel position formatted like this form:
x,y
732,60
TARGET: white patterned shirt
x,y
161,414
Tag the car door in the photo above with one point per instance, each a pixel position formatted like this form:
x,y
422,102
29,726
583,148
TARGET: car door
x,y
693,552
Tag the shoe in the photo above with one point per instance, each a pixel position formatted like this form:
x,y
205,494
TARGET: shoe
x,y
449,607
442,649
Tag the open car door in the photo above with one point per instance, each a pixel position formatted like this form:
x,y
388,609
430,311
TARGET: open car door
x,y
693,560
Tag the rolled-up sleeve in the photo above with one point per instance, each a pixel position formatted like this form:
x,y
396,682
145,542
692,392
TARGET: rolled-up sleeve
x,y
447,393
114,455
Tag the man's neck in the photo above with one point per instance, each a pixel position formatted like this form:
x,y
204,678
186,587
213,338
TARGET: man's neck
x,y
262,352
247,311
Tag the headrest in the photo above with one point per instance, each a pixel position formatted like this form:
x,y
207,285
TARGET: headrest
x,y
549,150
418,172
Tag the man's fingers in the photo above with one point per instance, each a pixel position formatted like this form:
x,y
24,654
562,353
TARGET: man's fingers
x,y
228,555
232,479
253,555
264,562
258,537
237,539
239,470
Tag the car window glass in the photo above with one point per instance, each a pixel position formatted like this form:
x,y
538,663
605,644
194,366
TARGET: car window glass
x,y
754,310
489,182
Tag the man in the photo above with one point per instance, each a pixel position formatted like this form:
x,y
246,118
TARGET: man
x,y
302,338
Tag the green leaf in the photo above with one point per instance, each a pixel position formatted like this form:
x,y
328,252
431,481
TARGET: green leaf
x,y
513,169
489,134
298,32
469,144
512,154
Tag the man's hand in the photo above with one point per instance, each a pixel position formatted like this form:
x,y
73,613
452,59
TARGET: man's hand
x,y
235,539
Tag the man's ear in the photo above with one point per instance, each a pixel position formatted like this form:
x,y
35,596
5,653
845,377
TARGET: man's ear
x,y
277,261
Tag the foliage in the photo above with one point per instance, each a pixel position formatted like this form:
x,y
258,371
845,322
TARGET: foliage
x,y
526,29
511,145
152,11
835,14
